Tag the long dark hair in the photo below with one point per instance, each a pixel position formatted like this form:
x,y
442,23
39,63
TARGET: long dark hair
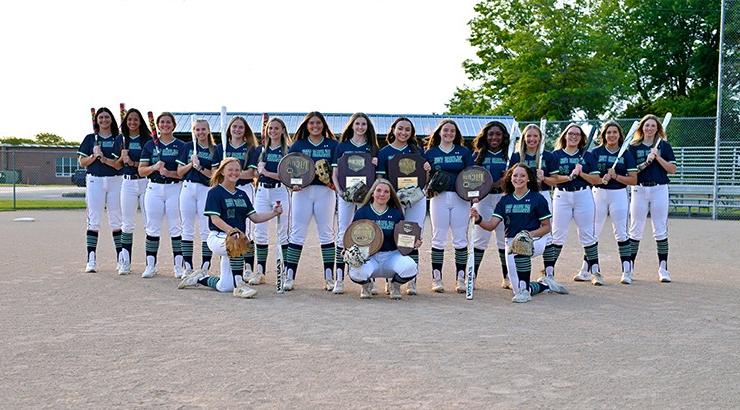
x,y
532,184
605,127
412,141
249,137
144,133
481,145
113,124
435,138
561,143
302,131
372,138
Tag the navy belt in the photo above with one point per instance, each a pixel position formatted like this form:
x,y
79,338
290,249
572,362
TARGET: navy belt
x,y
171,181
270,184
573,189
649,183
127,176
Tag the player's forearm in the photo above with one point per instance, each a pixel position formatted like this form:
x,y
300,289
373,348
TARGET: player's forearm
x,y
262,216
145,169
667,166
543,230
489,224
220,223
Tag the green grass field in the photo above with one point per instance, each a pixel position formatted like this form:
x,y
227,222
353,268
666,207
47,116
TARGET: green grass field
x,y
7,204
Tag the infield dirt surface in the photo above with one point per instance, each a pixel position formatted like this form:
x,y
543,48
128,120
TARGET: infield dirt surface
x,y
99,340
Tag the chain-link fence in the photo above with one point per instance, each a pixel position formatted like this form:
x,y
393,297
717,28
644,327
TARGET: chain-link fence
x,y
40,177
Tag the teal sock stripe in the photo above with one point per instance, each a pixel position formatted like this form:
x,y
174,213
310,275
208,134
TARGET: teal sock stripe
x,y
212,281
187,248
438,255
535,288
339,260
152,245
92,241
328,254
176,245
293,255
625,249
551,253
250,254
592,252
205,250
662,246
262,251
415,257
117,239
461,256
478,255
237,264
523,265
635,246
127,238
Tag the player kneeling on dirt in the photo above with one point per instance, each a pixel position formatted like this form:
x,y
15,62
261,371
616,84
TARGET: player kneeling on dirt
x,y
228,209
527,227
381,209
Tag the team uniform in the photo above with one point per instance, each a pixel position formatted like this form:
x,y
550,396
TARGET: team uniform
x,y
387,262
269,191
103,191
163,199
245,155
345,210
233,207
651,194
133,188
495,163
574,200
193,202
414,213
520,214
319,201
611,199
449,211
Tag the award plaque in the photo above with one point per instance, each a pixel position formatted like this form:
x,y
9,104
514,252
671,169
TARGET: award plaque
x,y
296,169
366,234
407,170
473,182
355,167
405,234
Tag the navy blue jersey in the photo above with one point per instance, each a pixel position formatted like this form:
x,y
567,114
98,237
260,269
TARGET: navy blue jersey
x,y
521,213
566,163
167,153
494,162
386,154
242,153
349,147
323,150
135,145
605,159
206,159
232,207
386,221
271,158
654,172
452,162
111,148
548,164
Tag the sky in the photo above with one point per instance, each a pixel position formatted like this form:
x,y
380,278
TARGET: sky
x,y
380,56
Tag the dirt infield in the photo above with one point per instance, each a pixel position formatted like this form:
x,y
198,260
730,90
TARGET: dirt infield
x,y
100,340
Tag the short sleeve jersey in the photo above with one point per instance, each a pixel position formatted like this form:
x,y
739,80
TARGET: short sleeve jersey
x,y
111,148
566,163
167,153
386,221
206,159
605,159
135,146
242,153
521,213
494,162
548,164
232,207
271,158
325,149
386,154
452,161
349,147
654,172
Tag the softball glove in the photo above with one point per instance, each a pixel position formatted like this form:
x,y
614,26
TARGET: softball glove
x,y
522,244
323,172
410,195
355,193
439,182
354,257
237,243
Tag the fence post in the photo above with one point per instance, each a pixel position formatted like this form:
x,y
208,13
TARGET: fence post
x,y
718,125
15,172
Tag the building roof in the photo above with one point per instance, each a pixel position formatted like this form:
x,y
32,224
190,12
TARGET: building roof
x,y
424,123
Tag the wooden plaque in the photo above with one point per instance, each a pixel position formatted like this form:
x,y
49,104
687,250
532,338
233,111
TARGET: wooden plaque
x,y
405,234
355,167
473,182
407,170
296,169
366,234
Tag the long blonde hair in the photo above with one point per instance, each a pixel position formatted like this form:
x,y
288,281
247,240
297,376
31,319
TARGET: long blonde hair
x,y
637,139
285,140
392,201
522,143
211,144
218,175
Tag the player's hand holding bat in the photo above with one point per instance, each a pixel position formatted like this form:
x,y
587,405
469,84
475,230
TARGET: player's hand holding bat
x,y
97,151
540,175
427,167
277,209
261,167
576,170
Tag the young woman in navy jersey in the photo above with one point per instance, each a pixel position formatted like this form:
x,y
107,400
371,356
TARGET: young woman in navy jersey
x,y
269,191
381,205
610,197
655,160
196,168
135,135
522,208
489,152
358,137
158,162
227,208
313,138
576,171
241,145
100,153
401,139
446,153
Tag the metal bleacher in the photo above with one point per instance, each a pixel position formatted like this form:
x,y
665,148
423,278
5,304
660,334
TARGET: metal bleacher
x,y
692,186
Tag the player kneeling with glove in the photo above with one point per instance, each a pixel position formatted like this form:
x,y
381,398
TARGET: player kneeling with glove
x,y
381,205
228,209
527,225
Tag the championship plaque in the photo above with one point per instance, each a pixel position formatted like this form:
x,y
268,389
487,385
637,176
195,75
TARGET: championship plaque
x,y
366,234
355,167
407,170
473,182
296,169
405,234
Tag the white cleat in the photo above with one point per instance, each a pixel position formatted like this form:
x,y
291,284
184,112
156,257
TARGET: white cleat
x,y
180,272
244,291
597,279
374,288
553,285
288,285
90,267
329,285
522,296
437,286
124,268
626,278
191,281
411,288
460,286
395,293
149,272
338,287
257,279
664,275
367,291
582,277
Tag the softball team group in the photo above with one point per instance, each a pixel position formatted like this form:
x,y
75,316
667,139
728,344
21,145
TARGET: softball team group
x,y
237,187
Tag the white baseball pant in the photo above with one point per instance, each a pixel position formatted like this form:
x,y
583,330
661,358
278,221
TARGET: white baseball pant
x,y
265,199
449,212
485,208
345,213
614,203
314,200
102,193
578,205
384,265
217,243
192,205
655,200
132,196
163,200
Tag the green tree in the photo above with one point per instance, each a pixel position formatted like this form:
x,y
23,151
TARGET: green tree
x,y
47,138
16,141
